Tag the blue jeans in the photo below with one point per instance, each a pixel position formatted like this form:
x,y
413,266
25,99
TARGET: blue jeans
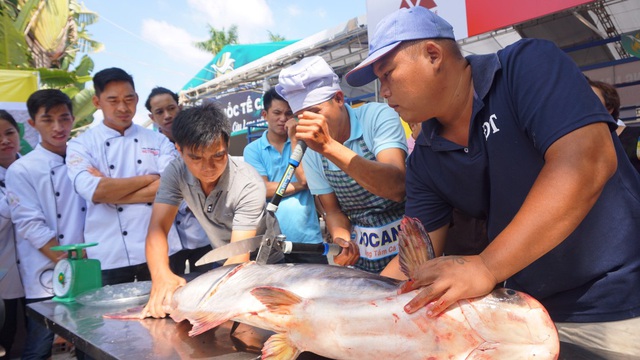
x,y
39,341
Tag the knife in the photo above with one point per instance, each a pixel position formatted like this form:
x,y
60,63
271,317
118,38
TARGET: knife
x,y
251,244
271,222
230,250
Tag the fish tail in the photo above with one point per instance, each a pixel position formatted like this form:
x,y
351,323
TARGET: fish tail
x,y
415,245
278,347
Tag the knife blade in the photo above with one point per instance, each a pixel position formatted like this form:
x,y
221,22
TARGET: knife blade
x,y
230,250
248,245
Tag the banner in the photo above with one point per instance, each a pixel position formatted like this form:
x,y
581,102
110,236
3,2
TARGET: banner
x,y
631,43
232,57
473,17
241,108
15,88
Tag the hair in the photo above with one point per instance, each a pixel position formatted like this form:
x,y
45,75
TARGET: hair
x,y
5,115
610,95
200,126
47,98
269,96
102,78
159,90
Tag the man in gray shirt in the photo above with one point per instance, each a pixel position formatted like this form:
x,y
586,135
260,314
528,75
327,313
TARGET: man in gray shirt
x,y
225,195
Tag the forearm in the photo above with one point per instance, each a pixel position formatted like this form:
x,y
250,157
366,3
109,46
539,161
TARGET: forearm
x,y
157,252
123,190
145,195
338,225
379,178
292,188
51,254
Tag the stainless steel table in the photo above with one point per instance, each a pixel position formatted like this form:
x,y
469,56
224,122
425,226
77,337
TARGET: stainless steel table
x,y
102,338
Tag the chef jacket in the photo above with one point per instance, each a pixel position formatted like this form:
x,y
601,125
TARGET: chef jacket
x,y
43,206
10,284
119,229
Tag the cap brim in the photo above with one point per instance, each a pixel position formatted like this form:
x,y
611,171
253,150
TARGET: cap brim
x,y
363,73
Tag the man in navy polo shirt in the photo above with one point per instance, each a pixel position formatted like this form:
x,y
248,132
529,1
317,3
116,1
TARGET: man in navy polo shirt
x,y
517,137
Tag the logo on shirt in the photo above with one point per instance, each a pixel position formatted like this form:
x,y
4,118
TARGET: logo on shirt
x,y
489,127
152,151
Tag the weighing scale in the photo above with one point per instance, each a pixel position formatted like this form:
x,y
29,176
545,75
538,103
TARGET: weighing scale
x,y
75,275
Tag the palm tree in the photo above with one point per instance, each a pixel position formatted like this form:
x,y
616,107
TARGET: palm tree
x,y
218,39
275,37
47,35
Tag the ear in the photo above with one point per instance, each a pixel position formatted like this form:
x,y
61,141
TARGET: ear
x,y
178,148
339,98
32,123
433,52
95,101
263,113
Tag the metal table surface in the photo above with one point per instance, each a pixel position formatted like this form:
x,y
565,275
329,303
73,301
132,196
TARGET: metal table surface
x,y
104,338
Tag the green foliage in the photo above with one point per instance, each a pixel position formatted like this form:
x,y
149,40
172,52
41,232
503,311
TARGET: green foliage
x,y
275,37
83,107
218,39
13,47
28,26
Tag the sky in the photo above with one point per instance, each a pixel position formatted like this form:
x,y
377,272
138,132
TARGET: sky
x,y
153,39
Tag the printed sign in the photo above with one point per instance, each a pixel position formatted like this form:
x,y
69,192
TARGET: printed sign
x,y
241,108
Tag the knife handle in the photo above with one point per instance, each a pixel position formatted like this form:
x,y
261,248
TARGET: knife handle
x,y
294,162
289,247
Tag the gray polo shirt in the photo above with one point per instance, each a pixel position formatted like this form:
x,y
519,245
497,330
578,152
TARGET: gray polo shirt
x,y
236,203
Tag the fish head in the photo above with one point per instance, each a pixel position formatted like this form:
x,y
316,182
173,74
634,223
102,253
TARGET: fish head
x,y
510,317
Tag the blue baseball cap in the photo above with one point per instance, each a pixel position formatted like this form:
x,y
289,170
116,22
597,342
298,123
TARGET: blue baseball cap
x,y
404,24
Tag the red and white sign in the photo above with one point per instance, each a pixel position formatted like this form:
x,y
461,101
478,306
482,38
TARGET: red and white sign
x,y
473,17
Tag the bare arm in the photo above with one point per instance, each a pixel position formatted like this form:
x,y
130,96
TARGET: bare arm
x,y
137,189
237,235
577,167
339,226
383,177
51,254
163,281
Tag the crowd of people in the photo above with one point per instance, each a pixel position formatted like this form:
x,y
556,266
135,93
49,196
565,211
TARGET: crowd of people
x,y
515,170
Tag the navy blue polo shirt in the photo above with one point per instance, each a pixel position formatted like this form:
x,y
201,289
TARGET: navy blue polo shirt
x,y
527,96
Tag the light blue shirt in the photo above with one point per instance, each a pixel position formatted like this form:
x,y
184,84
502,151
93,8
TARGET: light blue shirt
x,y
379,126
296,213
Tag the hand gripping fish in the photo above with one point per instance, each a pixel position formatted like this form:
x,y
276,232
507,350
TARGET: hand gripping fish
x,y
343,313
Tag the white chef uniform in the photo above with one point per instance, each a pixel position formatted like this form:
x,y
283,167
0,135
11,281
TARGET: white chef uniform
x,y
43,206
119,229
10,285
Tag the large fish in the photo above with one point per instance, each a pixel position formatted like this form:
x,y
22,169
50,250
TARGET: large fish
x,y
344,313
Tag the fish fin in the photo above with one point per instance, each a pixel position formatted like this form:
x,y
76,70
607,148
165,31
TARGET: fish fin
x,y
415,245
206,322
278,347
129,314
277,300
